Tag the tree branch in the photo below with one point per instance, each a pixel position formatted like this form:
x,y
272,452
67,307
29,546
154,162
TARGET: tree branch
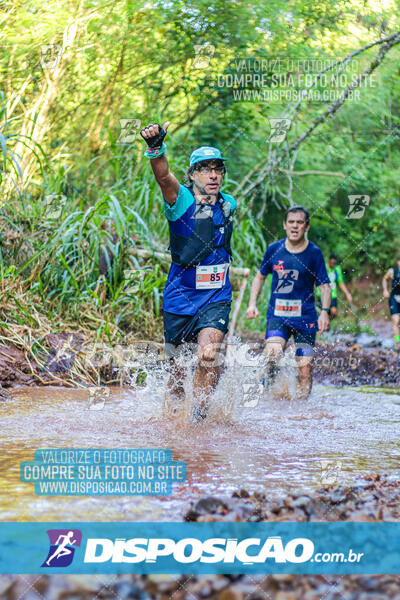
x,y
274,159
328,173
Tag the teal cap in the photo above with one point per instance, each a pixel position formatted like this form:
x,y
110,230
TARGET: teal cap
x,y
205,153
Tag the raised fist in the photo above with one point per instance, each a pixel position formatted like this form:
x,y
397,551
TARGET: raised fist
x,y
154,134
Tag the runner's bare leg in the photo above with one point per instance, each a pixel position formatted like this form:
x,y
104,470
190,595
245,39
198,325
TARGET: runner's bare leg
x,y
208,370
396,330
273,351
304,376
396,324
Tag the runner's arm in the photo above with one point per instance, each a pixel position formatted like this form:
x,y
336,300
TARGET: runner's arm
x,y
388,275
346,292
323,319
325,295
166,180
256,287
341,283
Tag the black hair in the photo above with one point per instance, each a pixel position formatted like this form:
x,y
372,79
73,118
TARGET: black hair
x,y
293,209
189,171
333,256
196,166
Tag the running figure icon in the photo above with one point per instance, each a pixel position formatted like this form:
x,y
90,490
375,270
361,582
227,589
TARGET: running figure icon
x,y
62,549
286,281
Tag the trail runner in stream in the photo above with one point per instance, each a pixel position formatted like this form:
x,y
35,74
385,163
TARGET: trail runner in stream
x,y
394,300
197,295
335,275
297,265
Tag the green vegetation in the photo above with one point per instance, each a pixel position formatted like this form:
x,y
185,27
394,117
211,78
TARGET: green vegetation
x,y
76,201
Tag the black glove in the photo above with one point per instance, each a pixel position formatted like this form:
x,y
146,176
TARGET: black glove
x,y
156,140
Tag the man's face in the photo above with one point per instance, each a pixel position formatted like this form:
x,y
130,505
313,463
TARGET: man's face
x,y
295,226
332,263
208,176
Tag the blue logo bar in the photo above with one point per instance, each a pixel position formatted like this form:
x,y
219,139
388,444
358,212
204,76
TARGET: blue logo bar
x,y
200,548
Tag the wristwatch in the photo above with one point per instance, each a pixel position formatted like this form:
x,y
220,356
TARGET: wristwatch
x,y
327,309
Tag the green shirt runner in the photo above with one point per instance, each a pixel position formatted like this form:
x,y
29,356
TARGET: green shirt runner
x,y
335,276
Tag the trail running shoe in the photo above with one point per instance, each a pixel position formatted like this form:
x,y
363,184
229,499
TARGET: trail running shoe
x,y
200,412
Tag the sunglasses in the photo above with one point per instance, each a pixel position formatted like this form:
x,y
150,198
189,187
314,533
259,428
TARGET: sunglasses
x,y
206,169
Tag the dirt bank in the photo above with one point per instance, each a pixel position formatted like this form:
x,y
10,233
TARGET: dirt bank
x,y
340,365
335,363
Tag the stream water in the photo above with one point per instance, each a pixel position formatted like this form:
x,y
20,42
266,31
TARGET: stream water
x,y
276,446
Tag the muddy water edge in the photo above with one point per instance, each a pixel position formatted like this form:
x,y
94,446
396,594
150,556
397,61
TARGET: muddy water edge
x,y
333,458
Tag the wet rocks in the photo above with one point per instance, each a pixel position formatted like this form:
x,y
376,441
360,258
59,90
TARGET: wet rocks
x,y
234,592
127,591
192,587
355,365
374,498
210,509
209,505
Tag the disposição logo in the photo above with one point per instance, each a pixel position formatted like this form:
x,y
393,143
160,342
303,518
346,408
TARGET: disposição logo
x,y
62,547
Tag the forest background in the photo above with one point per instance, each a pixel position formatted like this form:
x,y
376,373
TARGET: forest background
x,y
78,202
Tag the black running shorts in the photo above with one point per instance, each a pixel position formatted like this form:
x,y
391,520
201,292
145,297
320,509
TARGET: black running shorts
x,y
185,328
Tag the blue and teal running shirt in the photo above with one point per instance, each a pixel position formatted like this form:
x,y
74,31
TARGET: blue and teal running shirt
x,y
180,294
293,278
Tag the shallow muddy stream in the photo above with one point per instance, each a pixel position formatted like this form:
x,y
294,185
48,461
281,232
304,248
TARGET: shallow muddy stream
x,y
276,446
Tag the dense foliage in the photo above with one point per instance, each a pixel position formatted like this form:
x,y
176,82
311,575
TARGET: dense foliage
x,y
74,191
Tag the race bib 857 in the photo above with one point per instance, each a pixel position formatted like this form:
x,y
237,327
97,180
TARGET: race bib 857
x,y
210,277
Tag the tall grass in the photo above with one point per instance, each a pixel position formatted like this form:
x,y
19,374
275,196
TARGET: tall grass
x,y
68,258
